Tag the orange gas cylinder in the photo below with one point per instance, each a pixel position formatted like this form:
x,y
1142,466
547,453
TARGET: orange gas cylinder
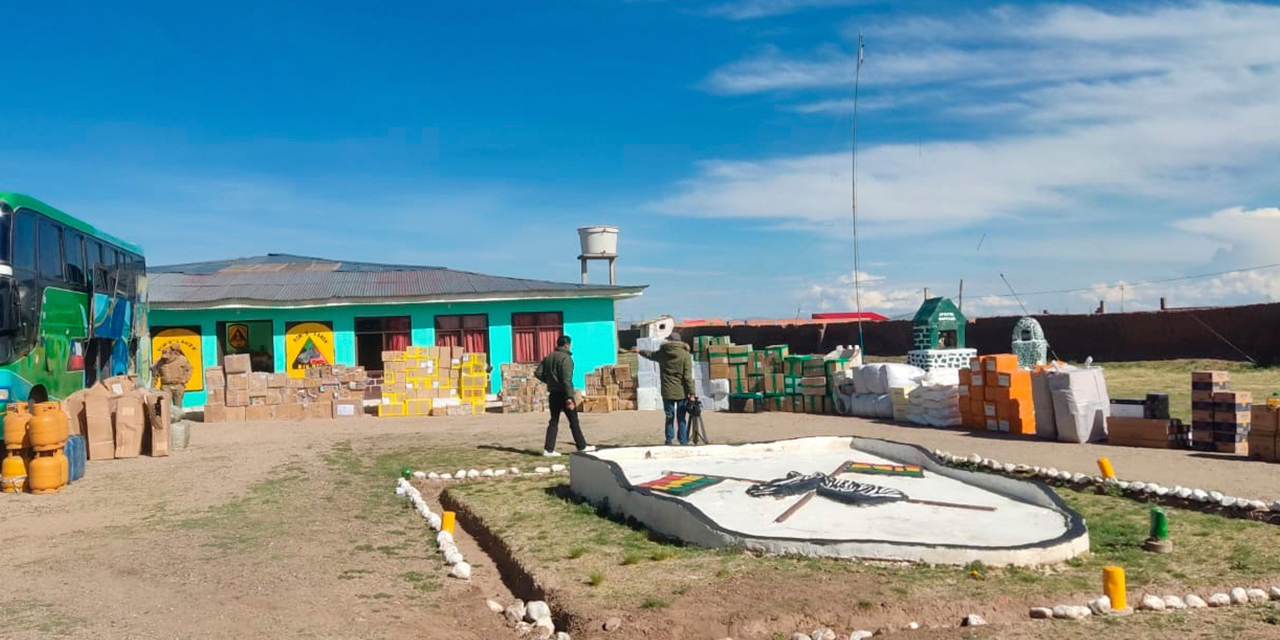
x,y
44,475
13,474
64,465
16,421
48,427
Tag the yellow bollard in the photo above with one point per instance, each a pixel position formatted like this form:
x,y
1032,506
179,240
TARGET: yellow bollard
x,y
446,524
1104,465
1113,586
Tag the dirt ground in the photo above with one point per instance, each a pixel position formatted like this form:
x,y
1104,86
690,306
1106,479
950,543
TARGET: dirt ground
x,y
290,530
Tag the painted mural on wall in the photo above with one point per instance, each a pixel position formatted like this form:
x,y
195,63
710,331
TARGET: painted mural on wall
x,y
188,339
307,344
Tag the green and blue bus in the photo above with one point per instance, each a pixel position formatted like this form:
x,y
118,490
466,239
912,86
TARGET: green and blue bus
x,y
72,302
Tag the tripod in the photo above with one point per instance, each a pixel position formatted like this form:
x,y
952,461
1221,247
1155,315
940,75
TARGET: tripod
x,y
697,428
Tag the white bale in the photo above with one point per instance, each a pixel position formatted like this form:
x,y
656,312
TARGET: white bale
x,y
1080,404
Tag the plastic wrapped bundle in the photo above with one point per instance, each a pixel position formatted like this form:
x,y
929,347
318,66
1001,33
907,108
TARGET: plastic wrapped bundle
x,y
1080,404
648,399
936,402
879,378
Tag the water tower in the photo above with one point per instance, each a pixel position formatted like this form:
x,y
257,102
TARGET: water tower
x,y
599,243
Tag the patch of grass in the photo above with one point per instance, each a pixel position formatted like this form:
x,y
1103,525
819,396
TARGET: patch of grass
x,y
596,578
664,553
33,615
631,558
576,552
352,574
865,605
1137,379
654,603
364,547
1270,615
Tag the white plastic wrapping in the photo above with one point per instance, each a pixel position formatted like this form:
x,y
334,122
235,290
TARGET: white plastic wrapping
x,y
1080,404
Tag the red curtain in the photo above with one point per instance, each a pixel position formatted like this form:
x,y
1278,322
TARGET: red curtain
x,y
525,346
547,337
476,340
397,341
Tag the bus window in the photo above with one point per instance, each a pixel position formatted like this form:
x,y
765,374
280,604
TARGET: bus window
x,y
93,264
75,257
50,253
24,241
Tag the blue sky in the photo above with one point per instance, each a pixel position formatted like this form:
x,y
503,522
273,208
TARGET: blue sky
x,y
1064,145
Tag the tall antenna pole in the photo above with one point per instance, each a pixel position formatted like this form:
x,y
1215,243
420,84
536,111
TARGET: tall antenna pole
x,y
857,290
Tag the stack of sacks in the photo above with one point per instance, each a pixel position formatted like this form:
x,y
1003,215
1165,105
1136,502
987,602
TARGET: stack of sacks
x,y
936,401
648,379
863,390
878,378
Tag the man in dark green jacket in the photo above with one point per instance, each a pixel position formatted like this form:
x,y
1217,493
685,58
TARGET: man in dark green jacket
x,y
556,370
675,368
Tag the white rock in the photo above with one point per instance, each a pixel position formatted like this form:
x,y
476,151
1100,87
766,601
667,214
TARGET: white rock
x,y
498,473
444,537
1021,468
1216,496
913,626
1079,478
557,468
1219,600
487,473
1036,470
541,470
860,635
973,620
462,473
523,629
461,571
1051,472
1199,495
563,636
494,606
399,491
433,521
1152,603
1101,606
515,612
1227,501
975,459
1152,487
537,610
1183,492
433,476
1009,467
1239,596
1257,595
515,471
544,629
1274,592
453,559
1138,486
473,473
1195,602
1085,612
420,475
1041,613
1123,484
823,634
1174,603
1066,612
1257,505
1162,492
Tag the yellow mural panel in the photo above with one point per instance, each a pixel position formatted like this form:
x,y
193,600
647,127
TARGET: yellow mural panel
x,y
189,342
307,344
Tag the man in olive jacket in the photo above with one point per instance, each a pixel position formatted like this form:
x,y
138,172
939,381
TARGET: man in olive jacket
x,y
556,370
675,367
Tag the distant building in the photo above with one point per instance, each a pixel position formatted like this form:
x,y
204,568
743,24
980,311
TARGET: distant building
x,y
287,311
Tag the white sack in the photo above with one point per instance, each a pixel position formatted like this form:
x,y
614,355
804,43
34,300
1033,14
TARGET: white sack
x,y
1080,404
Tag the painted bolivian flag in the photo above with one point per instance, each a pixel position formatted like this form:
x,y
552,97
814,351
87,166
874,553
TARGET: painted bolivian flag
x,y
870,468
680,484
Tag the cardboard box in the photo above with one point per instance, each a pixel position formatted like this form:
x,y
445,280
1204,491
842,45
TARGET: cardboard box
x,y
278,381
236,414
348,408
118,385
236,398
158,423
259,412
1211,376
1141,432
1000,362
237,363
320,410
100,435
290,411
295,383
259,383
214,378
130,423
215,413
238,382
73,407
274,397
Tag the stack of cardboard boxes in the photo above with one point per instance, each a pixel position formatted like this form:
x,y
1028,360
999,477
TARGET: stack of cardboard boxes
x,y
521,391
1220,417
995,395
433,381
609,388
120,419
234,393
1264,433
771,379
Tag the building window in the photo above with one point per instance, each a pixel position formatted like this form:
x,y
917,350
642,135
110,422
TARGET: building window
x,y
534,335
471,332
375,335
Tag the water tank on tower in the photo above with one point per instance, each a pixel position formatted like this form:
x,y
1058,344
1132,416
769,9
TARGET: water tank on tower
x,y
599,243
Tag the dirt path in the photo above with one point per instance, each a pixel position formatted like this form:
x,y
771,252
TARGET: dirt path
x,y
290,530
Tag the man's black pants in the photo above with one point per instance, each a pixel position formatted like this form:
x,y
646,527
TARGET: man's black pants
x,y
557,403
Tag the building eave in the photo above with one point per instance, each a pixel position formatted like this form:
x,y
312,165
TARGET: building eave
x,y
614,293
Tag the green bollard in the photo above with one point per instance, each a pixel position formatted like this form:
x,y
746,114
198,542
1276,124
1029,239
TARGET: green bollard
x,y
406,472
1159,541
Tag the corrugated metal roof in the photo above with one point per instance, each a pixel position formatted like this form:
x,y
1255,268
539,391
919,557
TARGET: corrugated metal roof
x,y
282,279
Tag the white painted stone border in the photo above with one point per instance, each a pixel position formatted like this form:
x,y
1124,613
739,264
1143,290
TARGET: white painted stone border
x,y
1177,496
444,540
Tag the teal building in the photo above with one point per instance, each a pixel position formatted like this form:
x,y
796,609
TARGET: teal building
x,y
289,311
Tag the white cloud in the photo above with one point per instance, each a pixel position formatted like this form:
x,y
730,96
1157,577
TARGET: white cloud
x,y
750,9
1168,105
1248,237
